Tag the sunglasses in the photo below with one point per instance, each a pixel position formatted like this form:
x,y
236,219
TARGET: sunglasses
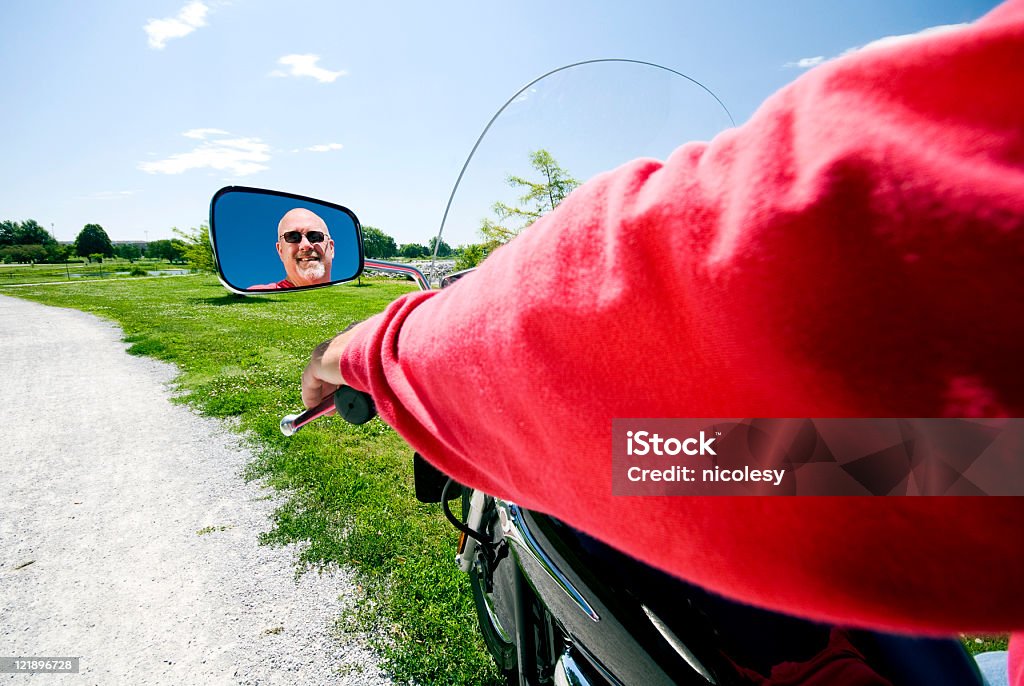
x,y
296,236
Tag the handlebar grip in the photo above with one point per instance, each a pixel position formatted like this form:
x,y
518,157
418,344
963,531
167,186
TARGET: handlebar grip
x,y
355,407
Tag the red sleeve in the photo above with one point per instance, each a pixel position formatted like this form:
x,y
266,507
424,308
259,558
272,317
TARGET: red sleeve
x,y
855,249
1015,660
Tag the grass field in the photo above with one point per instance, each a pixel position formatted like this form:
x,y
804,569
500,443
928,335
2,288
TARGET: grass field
x,y
351,487
11,274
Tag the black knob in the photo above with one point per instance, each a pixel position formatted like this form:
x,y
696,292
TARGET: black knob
x,y
355,407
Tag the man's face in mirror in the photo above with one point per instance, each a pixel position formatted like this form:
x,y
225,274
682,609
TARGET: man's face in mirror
x,y
305,247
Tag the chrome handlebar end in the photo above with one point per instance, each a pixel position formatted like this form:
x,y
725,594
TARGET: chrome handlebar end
x,y
288,424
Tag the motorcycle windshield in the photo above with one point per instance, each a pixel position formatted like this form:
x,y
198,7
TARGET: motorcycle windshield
x,y
563,128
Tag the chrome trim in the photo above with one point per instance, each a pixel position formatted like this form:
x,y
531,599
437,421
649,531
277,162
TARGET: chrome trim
x,y
288,424
568,673
515,529
495,620
455,276
293,422
678,645
399,268
596,664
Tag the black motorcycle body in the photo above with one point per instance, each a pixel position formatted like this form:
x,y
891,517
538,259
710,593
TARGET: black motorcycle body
x,y
576,611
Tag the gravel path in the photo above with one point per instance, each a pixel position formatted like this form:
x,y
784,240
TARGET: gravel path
x,y
127,536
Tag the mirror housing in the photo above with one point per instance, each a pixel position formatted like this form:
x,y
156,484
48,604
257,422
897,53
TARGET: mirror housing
x,y
452,278
270,241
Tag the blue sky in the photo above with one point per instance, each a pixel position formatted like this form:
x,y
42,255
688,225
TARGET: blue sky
x,y
132,114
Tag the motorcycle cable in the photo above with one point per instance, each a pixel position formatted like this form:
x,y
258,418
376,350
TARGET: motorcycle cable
x,y
493,554
475,535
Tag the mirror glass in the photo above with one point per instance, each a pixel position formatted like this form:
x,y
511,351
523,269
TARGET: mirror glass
x,y
268,240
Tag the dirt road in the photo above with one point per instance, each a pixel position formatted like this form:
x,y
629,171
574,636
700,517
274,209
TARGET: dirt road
x,y
127,536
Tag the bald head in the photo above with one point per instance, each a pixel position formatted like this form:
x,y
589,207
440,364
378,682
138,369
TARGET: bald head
x,y
305,247
300,219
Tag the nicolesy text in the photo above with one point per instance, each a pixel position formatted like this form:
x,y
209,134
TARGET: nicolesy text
x,y
689,474
643,443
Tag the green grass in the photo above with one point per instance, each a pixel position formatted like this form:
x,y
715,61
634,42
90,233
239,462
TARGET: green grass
x,y
110,268
350,488
982,644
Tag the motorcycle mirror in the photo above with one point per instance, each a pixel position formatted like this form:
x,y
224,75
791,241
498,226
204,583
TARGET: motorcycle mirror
x,y
272,241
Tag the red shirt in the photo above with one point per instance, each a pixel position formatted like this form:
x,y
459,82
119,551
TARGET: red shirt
x,y
854,250
283,283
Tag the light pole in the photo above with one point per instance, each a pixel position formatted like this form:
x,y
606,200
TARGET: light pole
x,y
67,269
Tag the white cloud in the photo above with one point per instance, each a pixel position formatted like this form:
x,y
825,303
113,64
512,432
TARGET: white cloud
x,y
305,65
806,62
203,134
326,147
191,17
887,41
239,156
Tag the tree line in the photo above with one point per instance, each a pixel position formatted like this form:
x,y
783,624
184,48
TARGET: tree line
x,y
29,242
377,244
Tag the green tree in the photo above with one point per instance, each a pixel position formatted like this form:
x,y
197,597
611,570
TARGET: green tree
x,y
173,250
8,230
471,255
55,252
128,251
540,198
378,244
444,251
412,250
29,232
27,242
197,248
25,254
93,239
